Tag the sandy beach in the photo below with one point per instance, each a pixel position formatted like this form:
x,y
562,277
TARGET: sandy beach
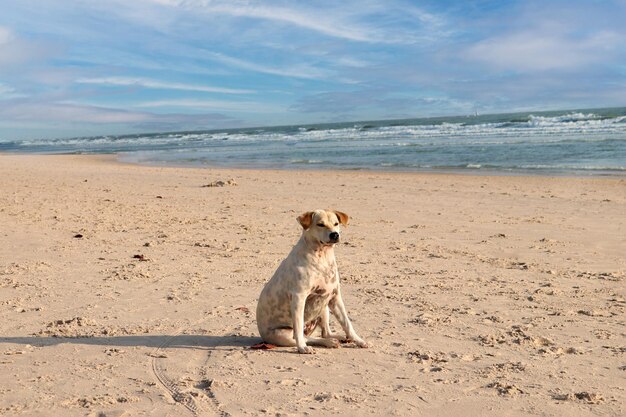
x,y
130,291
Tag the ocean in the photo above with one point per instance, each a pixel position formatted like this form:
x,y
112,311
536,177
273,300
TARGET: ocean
x,y
578,142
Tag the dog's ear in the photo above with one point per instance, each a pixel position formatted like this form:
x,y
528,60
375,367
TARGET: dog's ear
x,y
305,219
343,218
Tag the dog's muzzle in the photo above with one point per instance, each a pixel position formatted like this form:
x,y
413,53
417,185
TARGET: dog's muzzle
x,y
333,237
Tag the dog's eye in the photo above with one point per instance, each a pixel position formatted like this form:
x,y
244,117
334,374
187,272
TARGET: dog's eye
x,y
320,224
336,224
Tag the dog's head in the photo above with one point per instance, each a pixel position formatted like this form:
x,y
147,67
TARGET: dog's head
x,y
323,226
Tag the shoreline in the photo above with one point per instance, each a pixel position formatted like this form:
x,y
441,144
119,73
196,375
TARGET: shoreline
x,y
132,289
490,172
116,157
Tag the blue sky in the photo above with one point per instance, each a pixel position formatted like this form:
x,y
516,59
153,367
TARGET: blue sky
x,y
82,67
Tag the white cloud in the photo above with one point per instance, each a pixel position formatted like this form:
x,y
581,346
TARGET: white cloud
x,y
69,114
15,51
5,90
537,50
338,20
321,24
351,62
301,71
148,83
6,35
222,105
7,93
57,112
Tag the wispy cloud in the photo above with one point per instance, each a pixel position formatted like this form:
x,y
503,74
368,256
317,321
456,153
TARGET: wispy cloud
x,y
16,51
309,17
221,105
19,111
48,111
364,101
299,71
155,84
7,92
313,21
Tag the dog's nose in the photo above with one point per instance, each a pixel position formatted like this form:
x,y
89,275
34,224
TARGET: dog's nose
x,y
334,236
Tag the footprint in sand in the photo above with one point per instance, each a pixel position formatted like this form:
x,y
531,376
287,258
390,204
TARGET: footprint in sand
x,y
181,365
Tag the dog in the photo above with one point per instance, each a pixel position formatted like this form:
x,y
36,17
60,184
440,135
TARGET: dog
x,y
305,289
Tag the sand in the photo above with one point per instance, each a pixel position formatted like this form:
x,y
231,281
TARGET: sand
x,y
130,291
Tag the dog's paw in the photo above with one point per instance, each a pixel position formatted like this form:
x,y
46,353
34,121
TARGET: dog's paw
x,y
361,343
332,343
306,349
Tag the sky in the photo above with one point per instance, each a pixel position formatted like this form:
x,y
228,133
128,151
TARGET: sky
x,y
97,67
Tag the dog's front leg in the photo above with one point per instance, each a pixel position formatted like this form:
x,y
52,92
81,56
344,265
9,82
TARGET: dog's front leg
x,y
297,313
339,311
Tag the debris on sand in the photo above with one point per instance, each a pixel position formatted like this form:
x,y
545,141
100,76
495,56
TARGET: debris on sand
x,y
263,346
220,183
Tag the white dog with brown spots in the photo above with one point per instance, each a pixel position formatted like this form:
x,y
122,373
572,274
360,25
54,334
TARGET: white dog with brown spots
x,y
305,289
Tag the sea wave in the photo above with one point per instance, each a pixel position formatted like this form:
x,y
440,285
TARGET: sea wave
x,y
536,128
582,141
495,167
574,119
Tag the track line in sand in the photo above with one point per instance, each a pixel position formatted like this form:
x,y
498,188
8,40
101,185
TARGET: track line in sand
x,y
188,397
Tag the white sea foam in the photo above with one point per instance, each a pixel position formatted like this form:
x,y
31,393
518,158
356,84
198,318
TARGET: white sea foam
x,y
306,161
